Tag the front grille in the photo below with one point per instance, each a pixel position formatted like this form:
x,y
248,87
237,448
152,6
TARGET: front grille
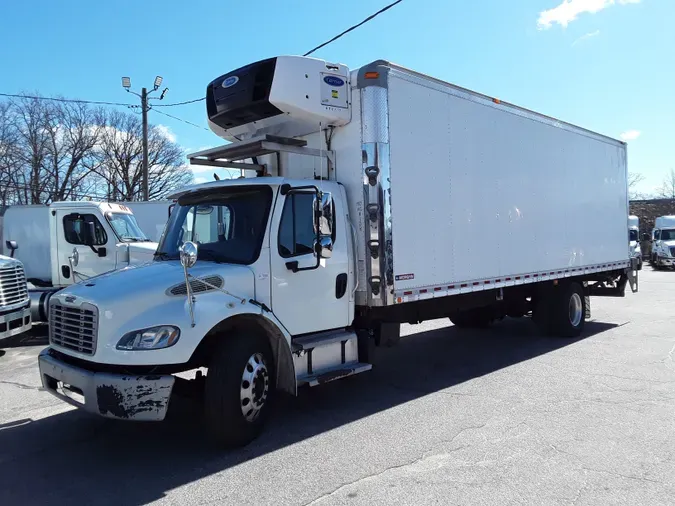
x,y
75,328
13,288
672,251
197,286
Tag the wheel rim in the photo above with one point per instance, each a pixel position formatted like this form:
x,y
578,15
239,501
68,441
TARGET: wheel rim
x,y
255,383
576,309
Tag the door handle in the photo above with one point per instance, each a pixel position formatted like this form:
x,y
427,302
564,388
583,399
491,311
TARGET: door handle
x,y
340,285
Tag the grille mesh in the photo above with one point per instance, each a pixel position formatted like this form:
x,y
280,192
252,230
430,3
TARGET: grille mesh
x,y
75,328
13,289
197,286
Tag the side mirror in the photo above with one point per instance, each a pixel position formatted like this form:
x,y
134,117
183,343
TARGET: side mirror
x,y
12,246
188,254
324,247
323,206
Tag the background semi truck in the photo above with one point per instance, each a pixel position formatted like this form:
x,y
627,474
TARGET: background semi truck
x,y
385,196
67,242
663,242
634,239
14,301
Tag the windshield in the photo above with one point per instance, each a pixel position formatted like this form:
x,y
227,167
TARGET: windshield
x,y
668,235
228,224
126,227
633,235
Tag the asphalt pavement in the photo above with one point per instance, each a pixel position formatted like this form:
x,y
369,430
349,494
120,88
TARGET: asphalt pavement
x,y
498,416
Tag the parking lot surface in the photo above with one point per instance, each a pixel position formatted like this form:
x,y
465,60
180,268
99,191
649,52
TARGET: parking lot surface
x,y
496,416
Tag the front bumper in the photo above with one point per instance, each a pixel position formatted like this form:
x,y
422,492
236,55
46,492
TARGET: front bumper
x,y
14,323
124,397
665,261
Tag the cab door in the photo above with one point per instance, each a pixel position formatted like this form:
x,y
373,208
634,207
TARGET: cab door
x,y
307,298
87,261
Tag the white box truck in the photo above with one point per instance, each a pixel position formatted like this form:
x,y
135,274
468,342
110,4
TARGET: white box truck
x,y
14,301
663,242
383,196
634,239
67,242
151,216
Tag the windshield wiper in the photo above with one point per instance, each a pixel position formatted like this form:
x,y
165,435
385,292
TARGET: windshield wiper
x,y
163,255
209,256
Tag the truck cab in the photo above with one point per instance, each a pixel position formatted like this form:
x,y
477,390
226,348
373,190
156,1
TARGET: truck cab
x,y
663,244
634,240
14,302
64,243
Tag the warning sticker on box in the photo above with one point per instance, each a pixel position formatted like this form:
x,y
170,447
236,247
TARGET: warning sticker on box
x,y
404,277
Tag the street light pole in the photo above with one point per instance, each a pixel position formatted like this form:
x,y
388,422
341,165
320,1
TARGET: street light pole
x,y
144,106
144,96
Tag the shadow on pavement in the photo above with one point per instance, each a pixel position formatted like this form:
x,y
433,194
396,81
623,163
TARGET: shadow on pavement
x,y
74,458
37,336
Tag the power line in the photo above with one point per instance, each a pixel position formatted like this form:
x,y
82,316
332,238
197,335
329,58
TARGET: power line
x,y
372,16
70,100
353,27
180,103
180,119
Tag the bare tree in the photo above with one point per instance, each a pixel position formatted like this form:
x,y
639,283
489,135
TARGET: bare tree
x,y
8,154
73,130
31,179
119,156
667,188
634,179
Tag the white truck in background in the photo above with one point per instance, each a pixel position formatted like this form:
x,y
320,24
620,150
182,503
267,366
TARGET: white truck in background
x,y
663,242
377,189
151,216
66,242
14,301
634,239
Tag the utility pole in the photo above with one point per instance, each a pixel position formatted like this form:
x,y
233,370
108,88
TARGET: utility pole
x,y
145,107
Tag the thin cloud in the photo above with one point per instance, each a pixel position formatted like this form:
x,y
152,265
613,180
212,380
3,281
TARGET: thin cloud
x,y
586,37
166,132
568,11
630,135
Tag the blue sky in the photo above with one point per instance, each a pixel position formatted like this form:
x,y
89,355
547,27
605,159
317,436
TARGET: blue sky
x,y
607,65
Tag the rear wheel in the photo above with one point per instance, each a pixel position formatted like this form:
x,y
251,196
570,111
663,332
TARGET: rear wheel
x,y
562,312
239,389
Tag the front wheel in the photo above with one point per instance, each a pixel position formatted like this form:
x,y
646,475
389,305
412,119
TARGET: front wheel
x,y
239,389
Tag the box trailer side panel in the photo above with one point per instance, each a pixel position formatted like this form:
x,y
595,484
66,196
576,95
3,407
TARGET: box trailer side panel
x,y
482,191
29,227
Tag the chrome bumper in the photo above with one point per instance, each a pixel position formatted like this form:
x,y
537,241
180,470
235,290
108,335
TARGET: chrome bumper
x,y
124,397
667,261
14,323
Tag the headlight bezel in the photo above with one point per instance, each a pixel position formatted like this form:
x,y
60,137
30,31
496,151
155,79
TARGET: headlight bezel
x,y
158,337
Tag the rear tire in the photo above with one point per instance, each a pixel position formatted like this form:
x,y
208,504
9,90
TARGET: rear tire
x,y
568,311
239,389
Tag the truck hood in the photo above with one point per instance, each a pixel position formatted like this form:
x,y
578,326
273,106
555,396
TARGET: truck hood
x,y
8,262
143,296
140,252
139,286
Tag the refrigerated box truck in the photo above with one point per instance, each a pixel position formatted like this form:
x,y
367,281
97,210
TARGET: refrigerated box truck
x,y
384,196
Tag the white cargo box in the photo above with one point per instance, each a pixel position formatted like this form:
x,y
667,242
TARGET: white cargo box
x,y
451,191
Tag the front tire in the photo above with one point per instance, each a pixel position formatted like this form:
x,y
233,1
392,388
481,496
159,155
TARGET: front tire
x,y
239,389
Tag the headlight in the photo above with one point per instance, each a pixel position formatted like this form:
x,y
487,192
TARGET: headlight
x,y
153,338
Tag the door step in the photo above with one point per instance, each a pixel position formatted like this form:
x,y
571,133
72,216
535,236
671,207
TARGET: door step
x,y
327,376
326,356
